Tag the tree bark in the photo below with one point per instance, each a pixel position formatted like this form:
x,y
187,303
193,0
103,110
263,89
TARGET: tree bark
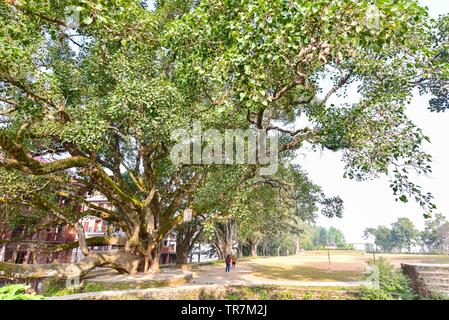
x,y
265,248
121,261
186,237
151,260
253,246
82,238
181,256
225,237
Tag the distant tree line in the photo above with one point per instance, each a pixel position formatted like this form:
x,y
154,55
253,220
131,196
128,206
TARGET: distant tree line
x,y
304,237
403,236
319,237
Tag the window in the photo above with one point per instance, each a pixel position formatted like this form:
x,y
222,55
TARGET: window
x,y
31,258
20,257
8,255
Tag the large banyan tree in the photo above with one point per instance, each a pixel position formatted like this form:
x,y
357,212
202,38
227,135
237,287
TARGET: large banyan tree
x,y
91,90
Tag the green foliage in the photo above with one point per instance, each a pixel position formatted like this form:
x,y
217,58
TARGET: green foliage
x,y
316,237
55,287
247,46
17,292
392,284
98,101
282,295
52,287
375,294
402,234
307,296
436,296
233,296
439,66
263,294
435,232
93,287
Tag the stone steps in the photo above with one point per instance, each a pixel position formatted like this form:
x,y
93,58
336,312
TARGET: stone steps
x,y
439,289
434,273
427,278
431,267
435,280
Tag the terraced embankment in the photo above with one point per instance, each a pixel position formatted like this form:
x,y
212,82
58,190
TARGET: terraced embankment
x,y
427,279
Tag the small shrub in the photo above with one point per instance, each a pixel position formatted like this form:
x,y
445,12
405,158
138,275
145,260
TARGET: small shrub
x,y
93,287
436,296
375,294
56,287
18,292
283,295
392,283
51,286
263,294
232,296
307,296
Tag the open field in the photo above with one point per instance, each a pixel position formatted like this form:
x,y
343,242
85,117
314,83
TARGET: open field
x,y
311,266
309,275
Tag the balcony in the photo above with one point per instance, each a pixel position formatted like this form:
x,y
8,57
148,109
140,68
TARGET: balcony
x,y
168,249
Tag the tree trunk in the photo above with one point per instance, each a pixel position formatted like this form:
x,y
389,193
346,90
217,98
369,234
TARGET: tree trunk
x,y
186,237
220,255
155,257
121,261
253,245
226,248
265,248
182,254
151,259
298,246
225,237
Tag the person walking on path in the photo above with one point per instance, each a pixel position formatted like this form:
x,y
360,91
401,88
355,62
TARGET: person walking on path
x,y
228,263
233,262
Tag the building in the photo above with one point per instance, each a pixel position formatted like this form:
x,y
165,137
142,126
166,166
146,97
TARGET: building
x,y
168,250
29,250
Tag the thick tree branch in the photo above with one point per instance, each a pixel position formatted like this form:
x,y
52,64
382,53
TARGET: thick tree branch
x,y
17,158
121,261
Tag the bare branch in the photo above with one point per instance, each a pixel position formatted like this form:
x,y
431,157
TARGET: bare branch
x,y
339,85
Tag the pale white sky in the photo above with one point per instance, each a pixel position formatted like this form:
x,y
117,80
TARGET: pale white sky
x,y
371,203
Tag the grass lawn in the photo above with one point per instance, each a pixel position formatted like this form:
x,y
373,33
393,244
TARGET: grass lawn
x,y
304,273
344,265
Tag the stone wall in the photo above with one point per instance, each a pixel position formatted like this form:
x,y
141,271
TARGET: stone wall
x,y
427,279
